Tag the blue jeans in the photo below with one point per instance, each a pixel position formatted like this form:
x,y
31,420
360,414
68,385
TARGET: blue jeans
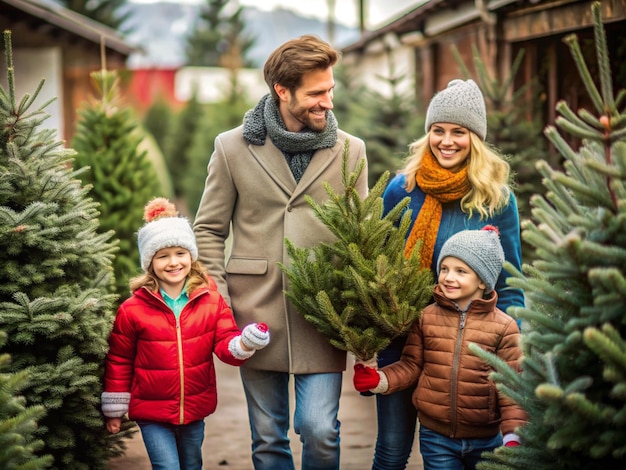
x,y
315,418
440,452
172,447
397,418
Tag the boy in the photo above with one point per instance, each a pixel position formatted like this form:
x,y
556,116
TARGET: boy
x,y
461,413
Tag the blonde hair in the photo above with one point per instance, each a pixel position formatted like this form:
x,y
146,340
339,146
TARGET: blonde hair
x,y
196,278
488,173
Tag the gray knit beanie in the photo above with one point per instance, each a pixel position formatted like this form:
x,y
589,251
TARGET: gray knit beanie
x,y
461,103
164,229
480,250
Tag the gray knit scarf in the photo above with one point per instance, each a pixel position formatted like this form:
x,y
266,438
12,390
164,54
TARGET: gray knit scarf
x,y
297,147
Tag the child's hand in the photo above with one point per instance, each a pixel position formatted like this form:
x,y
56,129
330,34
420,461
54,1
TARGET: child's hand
x,y
365,378
255,336
114,425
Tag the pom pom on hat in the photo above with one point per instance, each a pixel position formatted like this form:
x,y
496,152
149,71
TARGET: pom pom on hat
x,y
480,250
157,208
163,229
461,103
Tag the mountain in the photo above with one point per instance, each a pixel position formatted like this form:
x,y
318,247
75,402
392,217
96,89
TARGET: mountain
x,y
159,30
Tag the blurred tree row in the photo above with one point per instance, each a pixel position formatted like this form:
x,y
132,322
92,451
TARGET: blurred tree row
x,y
217,39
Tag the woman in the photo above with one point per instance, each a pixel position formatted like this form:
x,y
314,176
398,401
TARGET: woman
x,y
456,182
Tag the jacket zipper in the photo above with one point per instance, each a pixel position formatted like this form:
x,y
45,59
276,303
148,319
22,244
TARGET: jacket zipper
x,y
179,341
179,346
455,374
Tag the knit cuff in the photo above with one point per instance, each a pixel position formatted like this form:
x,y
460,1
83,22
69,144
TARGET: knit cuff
x,y
383,385
511,437
234,346
115,404
371,362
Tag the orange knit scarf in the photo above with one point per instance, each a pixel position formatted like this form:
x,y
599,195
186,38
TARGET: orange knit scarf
x,y
440,186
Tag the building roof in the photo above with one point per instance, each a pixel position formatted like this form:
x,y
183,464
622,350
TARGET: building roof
x,y
417,19
64,20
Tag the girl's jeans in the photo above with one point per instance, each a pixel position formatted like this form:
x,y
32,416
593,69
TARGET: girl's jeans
x,y
172,447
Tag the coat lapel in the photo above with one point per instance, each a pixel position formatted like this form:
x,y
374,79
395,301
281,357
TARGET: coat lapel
x,y
275,164
320,161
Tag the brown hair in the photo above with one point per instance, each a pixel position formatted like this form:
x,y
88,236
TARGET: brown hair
x,y
195,279
289,62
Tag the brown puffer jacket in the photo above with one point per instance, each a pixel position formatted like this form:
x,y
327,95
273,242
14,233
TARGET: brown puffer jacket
x,y
454,395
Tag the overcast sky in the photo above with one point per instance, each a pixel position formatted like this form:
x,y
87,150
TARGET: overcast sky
x,y
378,12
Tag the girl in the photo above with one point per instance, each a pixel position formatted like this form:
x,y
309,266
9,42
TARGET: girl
x,y
159,367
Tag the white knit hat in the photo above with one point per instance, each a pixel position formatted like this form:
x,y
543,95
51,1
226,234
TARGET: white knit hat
x,y
164,229
480,250
461,103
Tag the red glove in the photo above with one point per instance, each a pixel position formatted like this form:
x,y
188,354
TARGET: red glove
x,y
365,378
512,444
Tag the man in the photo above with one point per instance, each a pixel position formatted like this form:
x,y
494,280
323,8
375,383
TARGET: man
x,y
288,147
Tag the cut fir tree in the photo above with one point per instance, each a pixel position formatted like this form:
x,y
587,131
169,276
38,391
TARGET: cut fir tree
x,y
360,291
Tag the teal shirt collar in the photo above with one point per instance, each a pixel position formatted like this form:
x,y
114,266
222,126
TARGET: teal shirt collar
x,y
176,304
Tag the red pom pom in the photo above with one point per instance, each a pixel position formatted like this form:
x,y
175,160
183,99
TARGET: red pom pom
x,y
491,228
262,327
157,208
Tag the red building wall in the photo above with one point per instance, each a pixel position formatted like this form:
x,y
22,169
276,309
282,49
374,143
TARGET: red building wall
x,y
147,85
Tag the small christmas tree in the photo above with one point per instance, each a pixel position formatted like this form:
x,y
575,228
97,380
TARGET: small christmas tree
x,y
573,383
120,175
360,291
55,300
18,423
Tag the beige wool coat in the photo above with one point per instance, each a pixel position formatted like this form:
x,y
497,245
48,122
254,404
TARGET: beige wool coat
x,y
253,187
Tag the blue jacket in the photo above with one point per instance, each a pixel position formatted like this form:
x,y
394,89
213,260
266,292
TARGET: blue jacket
x,y
453,220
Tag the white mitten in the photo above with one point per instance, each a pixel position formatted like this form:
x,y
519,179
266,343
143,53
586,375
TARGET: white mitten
x,y
255,336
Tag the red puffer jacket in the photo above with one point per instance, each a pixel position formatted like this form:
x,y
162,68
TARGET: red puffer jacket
x,y
167,364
